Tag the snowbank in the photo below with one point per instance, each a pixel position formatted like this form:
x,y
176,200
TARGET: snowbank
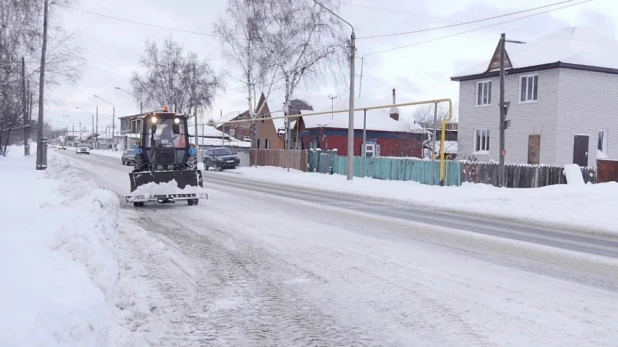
x,y
588,207
58,257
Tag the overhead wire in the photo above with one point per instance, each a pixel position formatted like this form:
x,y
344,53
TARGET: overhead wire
x,y
467,22
476,29
143,24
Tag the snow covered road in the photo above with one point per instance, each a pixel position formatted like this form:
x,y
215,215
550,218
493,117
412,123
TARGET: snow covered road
x,y
252,268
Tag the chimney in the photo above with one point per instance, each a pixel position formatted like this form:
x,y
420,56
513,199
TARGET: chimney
x,y
394,110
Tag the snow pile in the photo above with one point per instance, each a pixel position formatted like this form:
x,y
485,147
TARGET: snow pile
x,y
589,207
170,187
58,257
573,174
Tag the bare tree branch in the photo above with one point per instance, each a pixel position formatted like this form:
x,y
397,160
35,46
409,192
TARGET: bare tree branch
x,y
176,79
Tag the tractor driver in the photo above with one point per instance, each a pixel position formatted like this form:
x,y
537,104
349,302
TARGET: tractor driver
x,y
167,136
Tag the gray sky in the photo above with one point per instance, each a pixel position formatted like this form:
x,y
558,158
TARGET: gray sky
x,y
113,48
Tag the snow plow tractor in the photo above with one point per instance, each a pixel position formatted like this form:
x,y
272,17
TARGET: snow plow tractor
x,y
165,169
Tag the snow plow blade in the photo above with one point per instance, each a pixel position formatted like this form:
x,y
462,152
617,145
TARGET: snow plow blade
x,y
175,185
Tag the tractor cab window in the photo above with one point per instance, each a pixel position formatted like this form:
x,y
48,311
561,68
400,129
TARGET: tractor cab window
x,y
165,136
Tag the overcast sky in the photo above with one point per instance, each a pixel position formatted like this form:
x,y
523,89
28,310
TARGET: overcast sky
x,y
113,48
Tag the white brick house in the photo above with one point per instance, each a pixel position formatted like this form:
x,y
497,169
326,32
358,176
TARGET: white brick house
x,y
563,90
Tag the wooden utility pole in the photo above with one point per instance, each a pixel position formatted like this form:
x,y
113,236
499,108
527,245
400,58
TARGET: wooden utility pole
x,y
24,107
41,149
501,176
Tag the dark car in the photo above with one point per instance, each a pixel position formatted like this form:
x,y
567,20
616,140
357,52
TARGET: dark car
x,y
220,159
128,157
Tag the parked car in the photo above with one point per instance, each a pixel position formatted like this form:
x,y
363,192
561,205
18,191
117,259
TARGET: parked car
x,y
128,157
82,149
62,147
221,158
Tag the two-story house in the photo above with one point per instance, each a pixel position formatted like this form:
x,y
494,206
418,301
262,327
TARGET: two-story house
x,y
563,98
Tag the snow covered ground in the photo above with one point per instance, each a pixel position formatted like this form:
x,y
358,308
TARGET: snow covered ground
x,y
59,259
587,207
107,153
246,269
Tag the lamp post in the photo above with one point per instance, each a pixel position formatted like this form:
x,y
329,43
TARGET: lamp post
x,y
113,117
332,105
350,170
141,109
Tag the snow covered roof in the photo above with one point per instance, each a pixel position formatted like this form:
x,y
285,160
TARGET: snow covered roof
x,y
228,116
377,120
576,45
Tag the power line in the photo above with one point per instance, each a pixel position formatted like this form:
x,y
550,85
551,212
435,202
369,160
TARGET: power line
x,y
475,29
144,24
468,22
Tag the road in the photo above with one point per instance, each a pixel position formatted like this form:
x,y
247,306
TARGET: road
x,y
283,266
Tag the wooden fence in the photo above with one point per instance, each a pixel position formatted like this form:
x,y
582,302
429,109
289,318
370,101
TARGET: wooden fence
x,y
607,170
520,176
427,171
294,159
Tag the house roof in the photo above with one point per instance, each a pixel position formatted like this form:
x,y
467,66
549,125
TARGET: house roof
x,y
576,47
377,120
229,116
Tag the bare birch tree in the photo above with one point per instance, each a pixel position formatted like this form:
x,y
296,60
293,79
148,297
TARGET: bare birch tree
x,y
174,78
302,39
21,36
240,32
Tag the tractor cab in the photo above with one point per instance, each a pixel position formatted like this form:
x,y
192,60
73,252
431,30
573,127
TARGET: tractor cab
x,y
165,141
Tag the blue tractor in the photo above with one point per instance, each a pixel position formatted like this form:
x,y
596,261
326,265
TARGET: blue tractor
x,y
165,169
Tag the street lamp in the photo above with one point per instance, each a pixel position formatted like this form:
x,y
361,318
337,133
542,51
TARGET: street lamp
x,y
351,106
135,96
332,105
113,116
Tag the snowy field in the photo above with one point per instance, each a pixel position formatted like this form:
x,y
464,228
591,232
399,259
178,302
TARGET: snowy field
x,y
586,207
59,259
249,269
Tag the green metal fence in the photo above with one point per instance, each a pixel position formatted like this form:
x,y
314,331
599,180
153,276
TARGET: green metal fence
x,y
400,169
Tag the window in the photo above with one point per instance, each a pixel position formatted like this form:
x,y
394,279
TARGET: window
x,y
267,144
165,135
257,145
481,140
602,141
222,151
528,88
483,93
232,132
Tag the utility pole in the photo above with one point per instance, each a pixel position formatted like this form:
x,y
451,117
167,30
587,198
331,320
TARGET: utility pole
x,y
113,125
41,151
332,105
351,115
199,159
96,141
350,175
501,176
25,120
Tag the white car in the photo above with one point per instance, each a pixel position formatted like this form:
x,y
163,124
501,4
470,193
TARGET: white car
x,y
82,149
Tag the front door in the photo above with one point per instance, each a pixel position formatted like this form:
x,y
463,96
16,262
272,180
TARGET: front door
x,y
580,150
